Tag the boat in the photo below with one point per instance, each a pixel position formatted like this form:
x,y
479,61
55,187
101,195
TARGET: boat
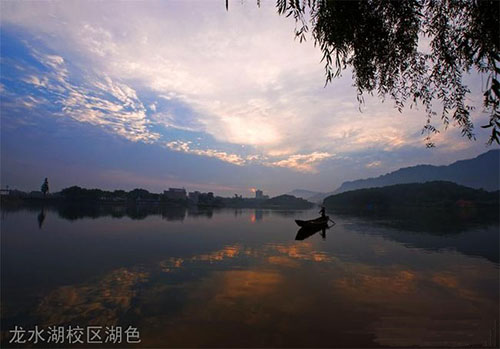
x,y
313,223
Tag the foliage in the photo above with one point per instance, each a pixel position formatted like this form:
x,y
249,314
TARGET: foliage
x,y
138,193
83,194
45,187
379,41
78,193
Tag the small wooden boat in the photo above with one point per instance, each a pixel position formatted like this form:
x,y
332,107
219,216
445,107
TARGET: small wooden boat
x,y
313,223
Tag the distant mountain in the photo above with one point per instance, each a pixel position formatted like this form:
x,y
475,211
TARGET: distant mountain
x,y
286,201
302,193
482,171
430,194
318,198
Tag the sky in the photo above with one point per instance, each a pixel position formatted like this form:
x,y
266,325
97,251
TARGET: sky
x,y
150,94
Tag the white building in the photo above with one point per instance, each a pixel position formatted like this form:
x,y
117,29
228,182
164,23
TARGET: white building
x,y
259,195
175,194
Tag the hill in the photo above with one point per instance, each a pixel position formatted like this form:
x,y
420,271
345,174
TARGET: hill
x,y
430,194
303,194
482,171
286,201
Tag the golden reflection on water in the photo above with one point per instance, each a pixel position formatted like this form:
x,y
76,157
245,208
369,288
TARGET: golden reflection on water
x,y
378,282
227,252
283,261
270,300
303,251
98,303
235,285
445,279
281,254
422,308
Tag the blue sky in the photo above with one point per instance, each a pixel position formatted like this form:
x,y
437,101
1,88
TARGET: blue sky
x,y
184,94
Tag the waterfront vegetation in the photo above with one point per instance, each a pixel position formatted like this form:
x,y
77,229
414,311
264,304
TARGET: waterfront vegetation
x,y
76,194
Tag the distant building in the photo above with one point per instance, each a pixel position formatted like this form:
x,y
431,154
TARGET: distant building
x,y
259,195
194,196
4,192
175,194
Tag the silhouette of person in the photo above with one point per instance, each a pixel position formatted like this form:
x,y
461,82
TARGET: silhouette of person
x,y
322,211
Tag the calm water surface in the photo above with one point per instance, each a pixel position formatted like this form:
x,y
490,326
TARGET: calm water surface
x,y
238,278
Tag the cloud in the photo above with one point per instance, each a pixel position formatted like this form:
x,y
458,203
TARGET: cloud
x,y
168,119
36,81
213,62
221,155
373,164
102,102
239,77
30,101
301,162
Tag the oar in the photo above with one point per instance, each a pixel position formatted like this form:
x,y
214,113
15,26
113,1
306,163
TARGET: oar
x,y
331,220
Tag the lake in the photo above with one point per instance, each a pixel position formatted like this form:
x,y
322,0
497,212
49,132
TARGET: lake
x,y
239,278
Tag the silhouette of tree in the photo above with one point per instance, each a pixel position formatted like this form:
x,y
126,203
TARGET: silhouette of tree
x,y
379,40
138,193
45,187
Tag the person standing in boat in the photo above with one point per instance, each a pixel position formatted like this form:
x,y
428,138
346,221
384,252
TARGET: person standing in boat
x,y
322,211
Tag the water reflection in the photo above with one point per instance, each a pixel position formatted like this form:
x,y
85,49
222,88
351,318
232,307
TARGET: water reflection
x,y
41,218
175,214
434,221
78,211
304,233
217,280
258,215
275,300
207,212
104,301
